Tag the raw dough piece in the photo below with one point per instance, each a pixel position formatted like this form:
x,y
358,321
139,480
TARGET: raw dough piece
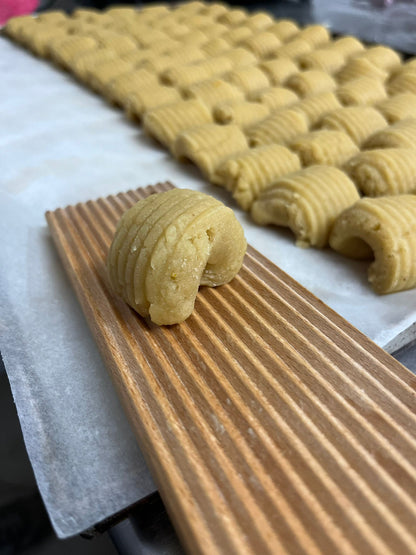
x,y
233,17
167,122
359,122
347,46
383,228
403,82
121,87
386,171
311,82
189,74
207,146
316,106
315,35
279,70
308,202
101,75
400,135
360,67
274,97
259,21
263,45
248,79
324,59
169,244
398,107
284,29
279,128
149,97
383,57
294,48
249,173
365,90
242,113
324,147
213,92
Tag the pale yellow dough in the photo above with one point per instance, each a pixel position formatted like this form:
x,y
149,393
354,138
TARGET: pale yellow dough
x,y
383,228
308,202
169,244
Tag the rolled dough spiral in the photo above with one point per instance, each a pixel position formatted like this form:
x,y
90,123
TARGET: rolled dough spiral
x,y
169,244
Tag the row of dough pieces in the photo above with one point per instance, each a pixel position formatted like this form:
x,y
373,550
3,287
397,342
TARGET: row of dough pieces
x,y
272,162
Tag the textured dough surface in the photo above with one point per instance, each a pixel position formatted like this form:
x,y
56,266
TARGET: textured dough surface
x,y
308,202
169,244
384,227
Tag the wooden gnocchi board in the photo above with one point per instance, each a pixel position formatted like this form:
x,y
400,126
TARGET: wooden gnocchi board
x,y
270,424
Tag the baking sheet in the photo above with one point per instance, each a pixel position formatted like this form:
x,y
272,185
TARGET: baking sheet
x,y
61,144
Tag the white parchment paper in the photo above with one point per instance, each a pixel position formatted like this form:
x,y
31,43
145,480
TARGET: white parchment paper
x,y
59,145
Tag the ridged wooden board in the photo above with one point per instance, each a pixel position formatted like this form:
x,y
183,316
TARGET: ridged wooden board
x,y
270,424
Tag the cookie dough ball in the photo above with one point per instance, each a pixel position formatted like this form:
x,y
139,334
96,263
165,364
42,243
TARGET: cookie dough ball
x,y
169,244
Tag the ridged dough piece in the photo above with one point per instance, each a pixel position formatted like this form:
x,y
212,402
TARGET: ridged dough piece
x,y
238,34
64,51
233,17
386,171
263,45
383,228
314,108
359,67
148,38
149,97
310,82
215,47
279,128
403,82
243,113
121,11
279,70
259,21
193,240
121,44
84,62
284,29
101,75
316,35
55,17
18,27
186,9
383,57
207,146
365,90
348,46
398,107
167,122
400,135
359,122
324,59
176,31
121,87
240,57
213,92
215,10
274,97
308,202
248,79
294,48
178,56
327,147
189,74
247,174
38,39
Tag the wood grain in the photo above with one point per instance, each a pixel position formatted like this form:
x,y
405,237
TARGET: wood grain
x,y
270,424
